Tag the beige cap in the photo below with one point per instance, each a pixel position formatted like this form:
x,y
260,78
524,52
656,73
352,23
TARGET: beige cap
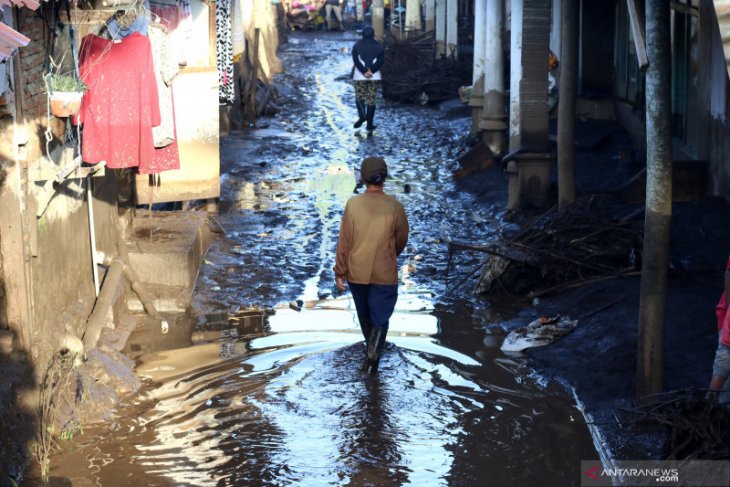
x,y
372,166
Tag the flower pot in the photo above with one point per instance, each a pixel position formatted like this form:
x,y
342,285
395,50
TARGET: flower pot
x,y
65,103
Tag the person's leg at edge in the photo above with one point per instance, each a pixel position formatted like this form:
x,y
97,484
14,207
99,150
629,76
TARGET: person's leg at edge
x,y
381,301
372,93
360,103
360,294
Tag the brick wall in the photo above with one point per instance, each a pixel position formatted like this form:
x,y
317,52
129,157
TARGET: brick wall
x,y
32,59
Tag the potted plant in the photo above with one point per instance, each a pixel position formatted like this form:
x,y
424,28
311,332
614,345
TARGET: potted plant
x,y
65,92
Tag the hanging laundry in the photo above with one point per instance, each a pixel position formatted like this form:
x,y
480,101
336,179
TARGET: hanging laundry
x,y
165,70
167,155
237,35
121,106
123,24
225,51
177,19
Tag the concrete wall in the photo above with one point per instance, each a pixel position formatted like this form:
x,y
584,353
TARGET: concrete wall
x,y
50,255
714,135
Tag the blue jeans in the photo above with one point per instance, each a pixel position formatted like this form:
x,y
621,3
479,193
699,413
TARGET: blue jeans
x,y
375,304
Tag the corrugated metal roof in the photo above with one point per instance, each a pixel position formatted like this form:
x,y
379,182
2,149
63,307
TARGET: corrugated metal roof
x,y
31,4
10,40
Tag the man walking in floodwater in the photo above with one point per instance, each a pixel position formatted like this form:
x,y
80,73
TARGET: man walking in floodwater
x,y
368,56
373,233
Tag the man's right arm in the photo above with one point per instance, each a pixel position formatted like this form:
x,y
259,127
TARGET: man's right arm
x,y
727,285
344,244
356,60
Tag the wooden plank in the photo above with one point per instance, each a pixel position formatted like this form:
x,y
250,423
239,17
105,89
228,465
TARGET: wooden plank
x,y
73,170
636,19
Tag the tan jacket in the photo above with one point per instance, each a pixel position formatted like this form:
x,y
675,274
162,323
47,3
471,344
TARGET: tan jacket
x,y
373,233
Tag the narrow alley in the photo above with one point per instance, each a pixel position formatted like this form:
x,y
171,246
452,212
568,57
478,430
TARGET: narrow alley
x,y
271,392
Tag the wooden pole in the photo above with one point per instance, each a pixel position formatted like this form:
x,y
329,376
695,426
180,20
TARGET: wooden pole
x,y
566,106
452,28
378,16
653,294
413,15
494,113
251,102
440,27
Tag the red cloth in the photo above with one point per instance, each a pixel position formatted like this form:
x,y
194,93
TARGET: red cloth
x,y
121,106
723,321
723,317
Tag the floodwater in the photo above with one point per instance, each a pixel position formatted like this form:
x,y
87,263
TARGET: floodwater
x,y
272,392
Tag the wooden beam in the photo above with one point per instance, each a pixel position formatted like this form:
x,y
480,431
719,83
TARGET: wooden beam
x,y
636,20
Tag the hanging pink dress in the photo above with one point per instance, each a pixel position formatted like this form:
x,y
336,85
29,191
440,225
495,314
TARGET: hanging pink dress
x,y
121,106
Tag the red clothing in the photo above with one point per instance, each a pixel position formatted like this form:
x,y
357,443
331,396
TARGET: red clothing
x,y
121,106
166,158
723,317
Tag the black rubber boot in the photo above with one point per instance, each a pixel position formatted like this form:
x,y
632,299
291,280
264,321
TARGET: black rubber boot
x,y
370,115
361,113
366,329
375,347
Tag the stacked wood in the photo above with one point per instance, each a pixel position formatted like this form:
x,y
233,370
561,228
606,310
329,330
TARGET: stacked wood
x,y
265,98
559,250
697,429
410,73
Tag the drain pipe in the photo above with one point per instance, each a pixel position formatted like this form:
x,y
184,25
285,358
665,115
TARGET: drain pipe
x,y
103,304
117,267
147,301
92,235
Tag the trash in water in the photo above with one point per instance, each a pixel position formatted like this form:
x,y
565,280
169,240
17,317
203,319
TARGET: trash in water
x,y
540,332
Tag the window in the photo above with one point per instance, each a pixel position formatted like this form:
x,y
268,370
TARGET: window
x,y
685,64
629,84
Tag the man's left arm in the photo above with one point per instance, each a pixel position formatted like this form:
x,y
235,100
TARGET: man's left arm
x,y
401,230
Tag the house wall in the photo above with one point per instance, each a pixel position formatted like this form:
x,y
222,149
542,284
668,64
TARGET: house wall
x,y
52,251
708,128
713,132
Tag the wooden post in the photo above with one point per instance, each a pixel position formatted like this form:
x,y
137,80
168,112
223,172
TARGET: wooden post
x,y
452,28
494,113
440,28
378,16
566,107
251,99
653,294
15,261
413,15
430,15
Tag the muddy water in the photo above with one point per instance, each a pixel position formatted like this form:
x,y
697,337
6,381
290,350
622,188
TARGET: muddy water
x,y
271,395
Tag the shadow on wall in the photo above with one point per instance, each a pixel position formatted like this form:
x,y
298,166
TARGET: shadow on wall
x,y
17,388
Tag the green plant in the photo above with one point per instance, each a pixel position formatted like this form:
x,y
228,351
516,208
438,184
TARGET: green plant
x,y
58,81
64,82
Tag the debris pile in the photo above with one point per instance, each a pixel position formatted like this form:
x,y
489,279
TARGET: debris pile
x,y
559,250
698,429
265,98
411,74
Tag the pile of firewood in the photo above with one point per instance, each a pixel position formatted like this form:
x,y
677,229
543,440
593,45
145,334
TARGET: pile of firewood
x,y
559,250
697,428
411,74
